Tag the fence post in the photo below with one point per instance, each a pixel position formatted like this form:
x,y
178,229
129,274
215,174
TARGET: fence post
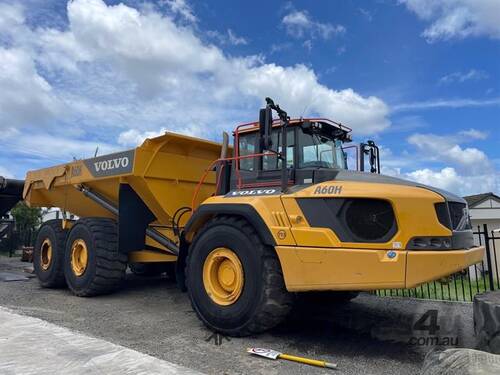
x,y
488,256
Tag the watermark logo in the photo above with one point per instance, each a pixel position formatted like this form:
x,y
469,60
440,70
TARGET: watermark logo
x,y
430,333
217,338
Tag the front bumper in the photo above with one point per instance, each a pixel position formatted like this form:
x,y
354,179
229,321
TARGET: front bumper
x,y
422,266
313,268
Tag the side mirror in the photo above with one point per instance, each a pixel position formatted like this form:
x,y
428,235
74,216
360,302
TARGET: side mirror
x,y
265,128
371,149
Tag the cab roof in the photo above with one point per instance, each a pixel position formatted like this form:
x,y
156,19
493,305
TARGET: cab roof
x,y
254,126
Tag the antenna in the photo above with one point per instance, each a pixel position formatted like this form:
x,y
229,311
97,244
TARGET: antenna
x,y
304,110
308,105
96,151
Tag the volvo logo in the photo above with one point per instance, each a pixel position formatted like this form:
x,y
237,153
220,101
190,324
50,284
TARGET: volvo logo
x,y
111,165
252,192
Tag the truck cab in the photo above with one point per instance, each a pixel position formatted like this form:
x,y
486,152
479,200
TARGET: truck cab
x,y
313,147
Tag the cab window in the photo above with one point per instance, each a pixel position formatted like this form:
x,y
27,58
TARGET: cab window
x,y
247,146
316,151
272,162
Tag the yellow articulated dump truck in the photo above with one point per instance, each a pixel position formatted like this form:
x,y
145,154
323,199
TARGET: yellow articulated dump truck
x,y
246,229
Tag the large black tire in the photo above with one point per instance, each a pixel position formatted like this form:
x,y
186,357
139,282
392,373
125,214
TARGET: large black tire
x,y
106,266
264,301
53,275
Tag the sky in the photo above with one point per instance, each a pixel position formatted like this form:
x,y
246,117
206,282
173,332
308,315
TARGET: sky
x,y
420,77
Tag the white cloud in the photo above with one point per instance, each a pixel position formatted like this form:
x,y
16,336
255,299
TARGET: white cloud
x,y
25,96
408,123
460,77
230,37
366,13
469,160
299,24
307,44
181,8
448,179
134,137
446,103
278,47
53,147
119,67
235,39
457,18
459,169
473,134
4,172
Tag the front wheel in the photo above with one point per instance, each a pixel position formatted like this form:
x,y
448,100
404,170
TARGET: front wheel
x,y
234,281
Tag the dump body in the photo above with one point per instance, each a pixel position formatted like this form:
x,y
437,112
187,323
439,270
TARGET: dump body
x,y
163,171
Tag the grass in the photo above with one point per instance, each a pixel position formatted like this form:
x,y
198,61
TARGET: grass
x,y
457,287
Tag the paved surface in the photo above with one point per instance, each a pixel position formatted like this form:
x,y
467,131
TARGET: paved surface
x,y
370,335
66,352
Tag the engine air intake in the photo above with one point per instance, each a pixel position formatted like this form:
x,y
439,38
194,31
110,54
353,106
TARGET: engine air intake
x,y
369,219
352,219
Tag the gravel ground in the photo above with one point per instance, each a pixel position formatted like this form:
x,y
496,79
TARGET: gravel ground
x,y
370,335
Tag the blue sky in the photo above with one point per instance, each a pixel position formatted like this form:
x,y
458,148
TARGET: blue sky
x,y
420,77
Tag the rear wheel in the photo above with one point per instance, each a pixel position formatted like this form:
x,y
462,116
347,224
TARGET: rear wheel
x,y
48,255
234,281
92,264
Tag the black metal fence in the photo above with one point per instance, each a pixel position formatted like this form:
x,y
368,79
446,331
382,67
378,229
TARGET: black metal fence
x,y
463,285
13,238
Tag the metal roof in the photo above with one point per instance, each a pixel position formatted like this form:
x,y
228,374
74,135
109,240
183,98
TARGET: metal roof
x,y
473,200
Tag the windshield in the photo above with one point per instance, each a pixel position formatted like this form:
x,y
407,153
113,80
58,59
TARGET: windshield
x,y
318,151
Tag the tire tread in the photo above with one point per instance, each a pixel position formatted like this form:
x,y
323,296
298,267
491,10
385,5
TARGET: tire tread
x,y
276,302
58,280
110,265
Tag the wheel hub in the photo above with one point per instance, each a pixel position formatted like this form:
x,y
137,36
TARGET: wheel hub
x,y
46,254
79,257
223,276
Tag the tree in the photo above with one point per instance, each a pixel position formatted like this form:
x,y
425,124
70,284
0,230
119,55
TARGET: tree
x,y
27,221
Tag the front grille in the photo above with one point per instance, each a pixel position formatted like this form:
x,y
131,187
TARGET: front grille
x,y
453,215
459,216
442,214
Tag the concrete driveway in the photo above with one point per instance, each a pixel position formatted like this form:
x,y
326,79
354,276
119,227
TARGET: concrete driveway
x,y
370,335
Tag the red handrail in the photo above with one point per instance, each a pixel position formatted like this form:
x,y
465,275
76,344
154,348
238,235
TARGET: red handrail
x,y
211,169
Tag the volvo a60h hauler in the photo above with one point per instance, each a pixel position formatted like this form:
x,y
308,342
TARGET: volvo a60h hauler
x,y
248,228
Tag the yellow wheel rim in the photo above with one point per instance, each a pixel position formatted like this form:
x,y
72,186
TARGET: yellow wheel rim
x,y
46,254
223,276
79,257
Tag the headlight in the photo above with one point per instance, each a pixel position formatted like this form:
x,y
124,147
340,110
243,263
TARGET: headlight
x,y
429,243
